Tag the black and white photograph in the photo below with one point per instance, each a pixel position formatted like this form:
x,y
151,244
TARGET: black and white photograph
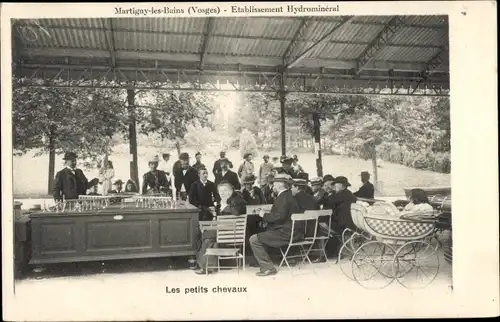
x,y
189,153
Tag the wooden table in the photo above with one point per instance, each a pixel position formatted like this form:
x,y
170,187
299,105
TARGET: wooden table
x,y
113,233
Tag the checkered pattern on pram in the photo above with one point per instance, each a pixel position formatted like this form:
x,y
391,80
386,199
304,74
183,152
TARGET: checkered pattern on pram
x,y
396,228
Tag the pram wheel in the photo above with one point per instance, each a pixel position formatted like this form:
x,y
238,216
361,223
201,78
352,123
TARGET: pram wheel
x,y
416,264
371,265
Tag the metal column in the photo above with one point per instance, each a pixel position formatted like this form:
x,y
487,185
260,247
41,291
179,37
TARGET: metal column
x,y
134,172
282,95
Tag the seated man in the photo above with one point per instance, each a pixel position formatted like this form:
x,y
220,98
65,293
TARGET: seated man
x,y
279,226
155,181
118,187
231,204
268,190
341,204
367,190
252,194
318,192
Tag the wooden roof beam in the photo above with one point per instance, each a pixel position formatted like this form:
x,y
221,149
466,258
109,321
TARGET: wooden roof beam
x,y
209,26
110,39
380,40
319,42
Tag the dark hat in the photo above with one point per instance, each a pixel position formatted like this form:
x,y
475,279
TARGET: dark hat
x,y
246,155
265,156
197,153
303,175
165,155
316,181
328,177
365,173
118,182
285,159
184,156
222,152
295,157
299,182
282,177
342,180
70,156
249,179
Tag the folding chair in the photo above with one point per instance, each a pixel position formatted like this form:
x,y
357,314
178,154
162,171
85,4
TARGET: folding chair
x,y
305,244
324,227
231,231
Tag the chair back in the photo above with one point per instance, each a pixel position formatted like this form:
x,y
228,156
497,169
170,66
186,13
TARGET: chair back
x,y
299,219
231,229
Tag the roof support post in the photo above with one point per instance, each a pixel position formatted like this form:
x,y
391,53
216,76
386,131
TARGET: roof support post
x,y
208,30
319,42
282,98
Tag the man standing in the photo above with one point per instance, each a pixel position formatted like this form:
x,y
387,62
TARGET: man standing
x,y
367,190
185,176
70,182
198,165
165,165
227,175
265,169
268,189
155,181
296,166
246,168
279,226
217,165
203,194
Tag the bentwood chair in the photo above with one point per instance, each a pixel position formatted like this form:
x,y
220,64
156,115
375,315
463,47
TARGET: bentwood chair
x,y
231,233
305,245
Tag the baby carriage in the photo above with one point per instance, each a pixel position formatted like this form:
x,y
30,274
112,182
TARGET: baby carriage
x,y
387,248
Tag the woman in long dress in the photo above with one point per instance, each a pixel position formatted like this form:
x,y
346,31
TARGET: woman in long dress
x,y
106,175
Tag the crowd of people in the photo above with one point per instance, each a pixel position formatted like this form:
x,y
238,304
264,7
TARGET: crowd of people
x,y
286,186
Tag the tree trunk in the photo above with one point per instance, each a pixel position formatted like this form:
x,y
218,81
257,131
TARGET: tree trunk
x,y
52,165
178,147
317,141
373,154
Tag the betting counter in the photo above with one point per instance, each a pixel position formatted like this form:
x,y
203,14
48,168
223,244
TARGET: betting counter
x,y
113,227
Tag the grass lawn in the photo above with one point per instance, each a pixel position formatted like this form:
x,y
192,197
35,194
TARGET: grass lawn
x,y
30,173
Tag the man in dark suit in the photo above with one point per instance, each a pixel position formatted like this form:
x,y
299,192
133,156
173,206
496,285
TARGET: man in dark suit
x,y
367,190
279,226
268,189
317,189
218,166
185,176
155,181
287,164
227,175
341,202
70,182
305,200
202,194
198,165
328,186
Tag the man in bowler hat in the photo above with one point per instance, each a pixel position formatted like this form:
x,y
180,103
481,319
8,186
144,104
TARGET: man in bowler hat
x,y
70,182
367,190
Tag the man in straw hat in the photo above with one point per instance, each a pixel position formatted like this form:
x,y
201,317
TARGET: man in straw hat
x,y
246,168
279,225
70,182
367,190
155,181
185,176
265,169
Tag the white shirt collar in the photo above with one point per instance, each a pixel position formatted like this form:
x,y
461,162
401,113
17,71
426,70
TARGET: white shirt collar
x,y
282,191
72,170
224,172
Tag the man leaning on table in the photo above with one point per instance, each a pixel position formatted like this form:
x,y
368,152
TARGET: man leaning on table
x,y
278,225
70,182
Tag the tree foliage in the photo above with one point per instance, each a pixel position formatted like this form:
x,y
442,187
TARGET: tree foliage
x,y
79,120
